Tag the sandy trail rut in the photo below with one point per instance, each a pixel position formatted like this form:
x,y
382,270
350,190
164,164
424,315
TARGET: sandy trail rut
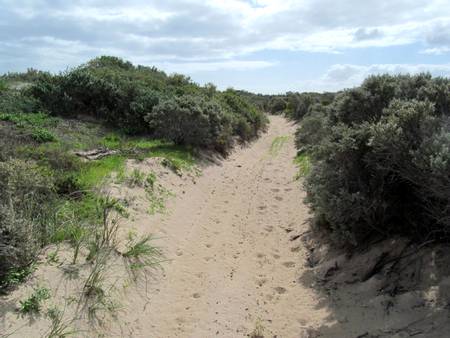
x,y
233,266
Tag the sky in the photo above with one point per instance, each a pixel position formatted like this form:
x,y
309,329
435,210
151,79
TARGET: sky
x,y
264,46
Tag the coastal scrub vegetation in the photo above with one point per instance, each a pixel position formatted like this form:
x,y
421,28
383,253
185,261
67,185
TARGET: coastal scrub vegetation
x,y
380,158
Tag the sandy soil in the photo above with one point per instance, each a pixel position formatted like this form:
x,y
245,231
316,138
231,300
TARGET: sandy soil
x,y
234,265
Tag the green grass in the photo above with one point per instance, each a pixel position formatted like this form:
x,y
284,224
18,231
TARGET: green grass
x,y
42,135
277,144
30,119
36,124
303,163
96,172
144,147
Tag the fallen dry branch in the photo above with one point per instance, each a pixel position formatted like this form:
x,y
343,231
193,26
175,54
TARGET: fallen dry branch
x,y
96,154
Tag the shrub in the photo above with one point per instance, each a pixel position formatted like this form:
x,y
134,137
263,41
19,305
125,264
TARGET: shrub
x,y
298,105
15,101
3,86
312,129
25,211
381,160
247,120
125,96
188,120
277,105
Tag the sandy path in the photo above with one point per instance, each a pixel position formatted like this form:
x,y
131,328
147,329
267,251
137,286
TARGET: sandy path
x,y
233,266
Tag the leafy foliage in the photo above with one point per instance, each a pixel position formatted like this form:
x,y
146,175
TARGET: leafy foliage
x,y
137,98
381,160
187,120
33,303
27,193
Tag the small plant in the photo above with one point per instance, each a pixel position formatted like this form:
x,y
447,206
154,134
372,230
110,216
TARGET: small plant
x,y
59,328
78,234
93,286
33,303
42,135
158,198
96,294
52,257
104,234
277,144
15,276
258,332
111,141
136,179
173,165
150,180
303,163
140,253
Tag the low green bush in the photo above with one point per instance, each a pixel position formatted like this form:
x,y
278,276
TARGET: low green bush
x,y
247,120
26,198
381,160
42,135
17,101
189,120
3,86
127,97
277,105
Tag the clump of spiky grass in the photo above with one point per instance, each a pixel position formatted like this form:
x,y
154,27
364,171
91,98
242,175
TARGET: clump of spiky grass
x,y
59,327
140,254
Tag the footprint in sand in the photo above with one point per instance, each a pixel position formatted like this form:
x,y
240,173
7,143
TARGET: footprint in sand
x,y
269,297
261,281
289,264
278,198
269,228
276,256
280,290
196,295
275,190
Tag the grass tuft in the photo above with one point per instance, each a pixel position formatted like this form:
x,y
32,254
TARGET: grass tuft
x,y
277,144
303,163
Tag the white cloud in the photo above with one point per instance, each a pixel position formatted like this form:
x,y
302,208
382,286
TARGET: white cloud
x,y
214,35
342,76
436,51
194,67
241,26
